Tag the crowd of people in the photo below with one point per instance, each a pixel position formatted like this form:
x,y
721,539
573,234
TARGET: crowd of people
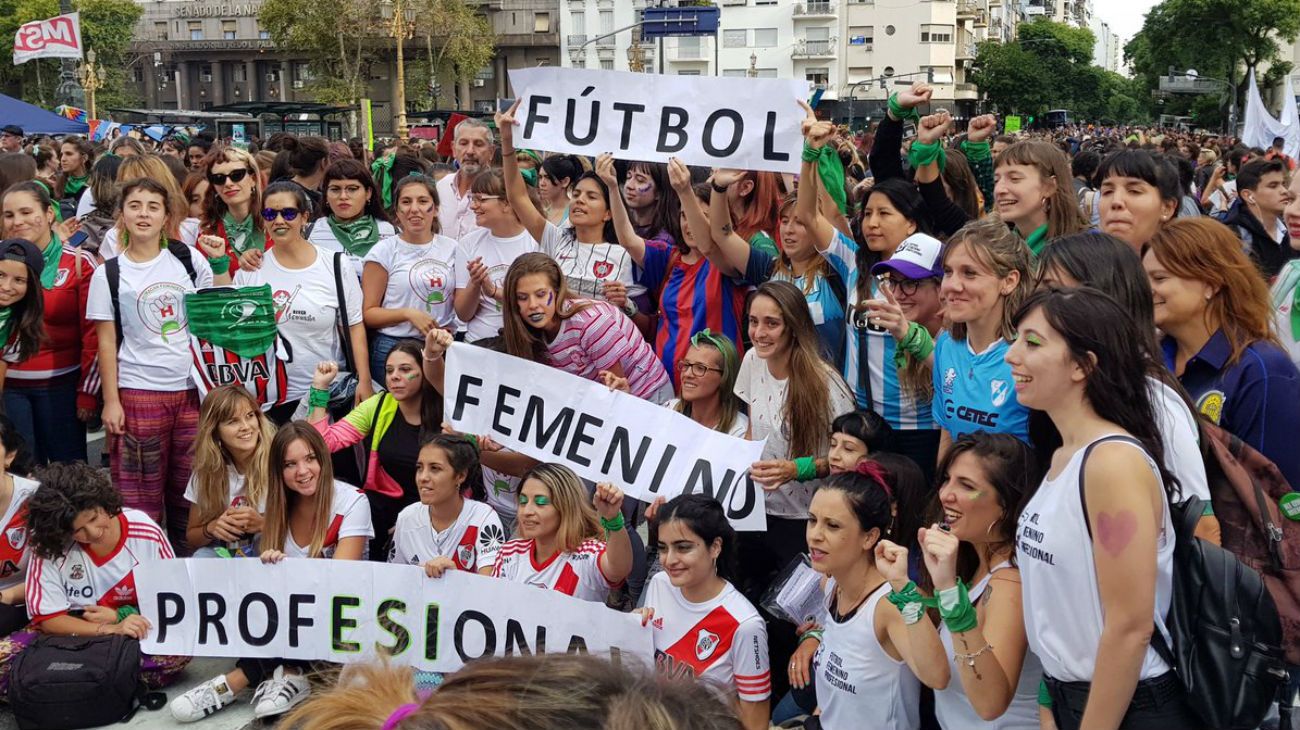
x,y
979,363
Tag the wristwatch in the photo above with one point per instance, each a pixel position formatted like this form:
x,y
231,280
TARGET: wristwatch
x,y
630,308
718,188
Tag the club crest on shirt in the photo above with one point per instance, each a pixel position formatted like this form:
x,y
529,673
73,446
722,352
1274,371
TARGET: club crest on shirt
x,y
1211,405
706,642
61,278
658,623
465,555
17,536
949,377
602,269
1000,391
78,572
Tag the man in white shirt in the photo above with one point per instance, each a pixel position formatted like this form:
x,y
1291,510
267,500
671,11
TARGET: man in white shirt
x,y
473,149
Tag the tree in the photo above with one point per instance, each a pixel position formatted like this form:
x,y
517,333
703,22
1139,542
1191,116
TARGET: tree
x,y
106,26
458,42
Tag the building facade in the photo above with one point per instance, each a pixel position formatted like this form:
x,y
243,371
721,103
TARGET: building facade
x,y
1105,52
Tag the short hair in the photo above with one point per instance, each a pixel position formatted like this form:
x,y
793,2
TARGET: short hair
x,y
472,123
66,491
1248,178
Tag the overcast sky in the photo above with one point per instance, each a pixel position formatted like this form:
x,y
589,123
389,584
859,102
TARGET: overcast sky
x,y
1123,16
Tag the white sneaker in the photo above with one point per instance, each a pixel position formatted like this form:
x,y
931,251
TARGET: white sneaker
x,y
202,701
280,693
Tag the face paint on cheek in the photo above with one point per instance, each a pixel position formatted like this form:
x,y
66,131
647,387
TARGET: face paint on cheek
x,y
550,297
412,376
976,495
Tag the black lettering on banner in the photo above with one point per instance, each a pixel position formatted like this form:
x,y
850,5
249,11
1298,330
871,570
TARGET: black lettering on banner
x,y
664,461
534,420
212,617
272,619
620,444
677,127
401,637
577,645
769,139
625,136
340,623
517,643
502,409
570,119
431,615
171,611
701,481
737,132
534,117
463,398
489,635
296,619
580,437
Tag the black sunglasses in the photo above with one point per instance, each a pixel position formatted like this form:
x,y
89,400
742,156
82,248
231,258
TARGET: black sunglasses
x,y
219,178
289,214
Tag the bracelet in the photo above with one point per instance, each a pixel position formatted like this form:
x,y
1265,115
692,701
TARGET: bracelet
x,y
434,358
719,188
208,533
220,265
317,398
956,609
615,524
124,611
805,468
970,658
811,634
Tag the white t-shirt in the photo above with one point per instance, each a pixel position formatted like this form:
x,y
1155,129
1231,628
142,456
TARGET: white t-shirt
x,y
14,537
574,574
723,639
189,236
79,579
155,351
235,484
766,398
502,493
472,541
323,236
497,255
420,276
306,307
587,266
739,427
86,203
1180,438
351,519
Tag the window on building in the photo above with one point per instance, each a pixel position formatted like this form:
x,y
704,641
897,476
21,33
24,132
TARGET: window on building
x,y
765,2
861,35
137,74
606,21
579,22
689,47
228,30
160,31
735,73
936,34
735,38
264,34
767,73
607,64
196,30
542,23
765,37
487,73
889,30
940,74
818,76
205,73
689,72
239,73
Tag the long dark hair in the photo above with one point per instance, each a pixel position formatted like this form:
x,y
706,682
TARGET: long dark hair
x,y
430,401
705,517
907,201
667,208
1104,342
419,178
15,445
29,314
350,169
910,492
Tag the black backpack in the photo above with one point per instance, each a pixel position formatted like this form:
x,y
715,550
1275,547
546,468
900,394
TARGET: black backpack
x,y
69,682
113,271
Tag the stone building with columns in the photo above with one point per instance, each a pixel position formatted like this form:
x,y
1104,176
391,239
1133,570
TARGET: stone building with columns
x,y
199,54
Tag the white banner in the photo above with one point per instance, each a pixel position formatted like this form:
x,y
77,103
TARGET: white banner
x,y
742,123
351,611
58,37
646,450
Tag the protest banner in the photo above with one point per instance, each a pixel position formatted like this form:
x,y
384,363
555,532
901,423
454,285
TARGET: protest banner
x,y
58,37
742,123
605,436
351,611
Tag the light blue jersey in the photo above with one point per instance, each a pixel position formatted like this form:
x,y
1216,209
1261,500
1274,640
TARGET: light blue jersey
x,y
975,392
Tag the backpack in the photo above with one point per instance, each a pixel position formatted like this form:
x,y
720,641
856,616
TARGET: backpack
x,y
68,682
1227,637
113,270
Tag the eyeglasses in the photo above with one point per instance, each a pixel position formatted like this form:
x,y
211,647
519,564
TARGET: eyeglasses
x,y
698,369
343,190
906,287
219,178
289,214
481,199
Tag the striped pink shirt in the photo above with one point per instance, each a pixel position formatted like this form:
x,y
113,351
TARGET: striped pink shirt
x,y
600,337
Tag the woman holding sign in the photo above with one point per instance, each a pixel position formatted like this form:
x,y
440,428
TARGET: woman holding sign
x,y
559,545
308,515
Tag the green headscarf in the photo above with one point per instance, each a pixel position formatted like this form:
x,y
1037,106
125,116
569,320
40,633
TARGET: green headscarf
x,y
382,169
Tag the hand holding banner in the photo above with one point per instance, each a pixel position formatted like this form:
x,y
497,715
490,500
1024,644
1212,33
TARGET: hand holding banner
x,y
58,37
603,435
745,124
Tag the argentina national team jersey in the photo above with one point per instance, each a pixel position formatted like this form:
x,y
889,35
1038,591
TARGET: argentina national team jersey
x,y
975,392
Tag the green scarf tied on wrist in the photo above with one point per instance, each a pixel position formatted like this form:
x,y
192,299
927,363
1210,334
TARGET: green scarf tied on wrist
x,y
976,151
74,184
356,236
240,233
830,170
923,153
51,254
898,112
382,169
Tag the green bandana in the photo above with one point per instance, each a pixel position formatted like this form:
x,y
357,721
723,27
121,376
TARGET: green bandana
x,y
356,236
831,171
1037,240
74,185
6,325
239,320
240,235
51,254
382,169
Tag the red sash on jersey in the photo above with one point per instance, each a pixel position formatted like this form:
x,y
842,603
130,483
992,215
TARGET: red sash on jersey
x,y
13,541
706,641
466,553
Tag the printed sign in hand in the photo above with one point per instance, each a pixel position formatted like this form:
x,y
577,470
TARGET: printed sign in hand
x,y
350,611
603,435
740,123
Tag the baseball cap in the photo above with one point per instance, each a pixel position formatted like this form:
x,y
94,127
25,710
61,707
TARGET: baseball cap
x,y
919,256
13,129
20,249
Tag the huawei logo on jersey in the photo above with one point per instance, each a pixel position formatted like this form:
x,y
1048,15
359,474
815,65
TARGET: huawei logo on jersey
x,y
706,642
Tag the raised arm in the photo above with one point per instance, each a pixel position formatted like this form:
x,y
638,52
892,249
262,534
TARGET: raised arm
x,y
816,135
679,177
627,236
979,155
516,189
886,159
730,252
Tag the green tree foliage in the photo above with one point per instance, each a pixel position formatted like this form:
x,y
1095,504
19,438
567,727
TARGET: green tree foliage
x,y
106,26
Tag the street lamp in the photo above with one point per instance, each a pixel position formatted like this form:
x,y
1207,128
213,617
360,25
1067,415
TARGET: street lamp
x,y
402,21
69,91
91,76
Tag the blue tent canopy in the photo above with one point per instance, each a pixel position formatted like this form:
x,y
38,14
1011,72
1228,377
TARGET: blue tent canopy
x,y
35,120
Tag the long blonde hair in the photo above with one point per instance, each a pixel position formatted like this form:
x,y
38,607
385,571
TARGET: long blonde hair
x,y
211,458
578,520
995,247
275,532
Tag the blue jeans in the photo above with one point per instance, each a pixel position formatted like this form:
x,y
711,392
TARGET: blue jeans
x,y
46,417
380,346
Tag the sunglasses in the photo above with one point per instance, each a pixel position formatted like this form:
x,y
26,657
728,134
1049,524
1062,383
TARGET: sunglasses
x,y
219,178
289,214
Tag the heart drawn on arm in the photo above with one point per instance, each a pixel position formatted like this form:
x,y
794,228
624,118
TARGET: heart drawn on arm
x,y
1116,531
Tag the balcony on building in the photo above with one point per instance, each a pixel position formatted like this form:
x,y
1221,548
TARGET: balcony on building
x,y
965,91
574,41
805,48
965,50
691,49
814,9
966,9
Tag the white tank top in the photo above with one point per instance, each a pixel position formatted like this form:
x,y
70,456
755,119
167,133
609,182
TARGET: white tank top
x,y
858,684
954,710
1063,617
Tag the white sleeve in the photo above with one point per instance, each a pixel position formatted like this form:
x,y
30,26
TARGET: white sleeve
x,y
202,272
464,252
381,254
190,231
551,238
108,247
491,536
356,521
86,204
749,660
351,297
589,570
1181,443
192,490
99,305
744,387
46,595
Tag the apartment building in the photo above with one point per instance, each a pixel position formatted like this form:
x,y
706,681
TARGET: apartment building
x,y
1106,51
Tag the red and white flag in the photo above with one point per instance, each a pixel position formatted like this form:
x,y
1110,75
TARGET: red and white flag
x,y
58,37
